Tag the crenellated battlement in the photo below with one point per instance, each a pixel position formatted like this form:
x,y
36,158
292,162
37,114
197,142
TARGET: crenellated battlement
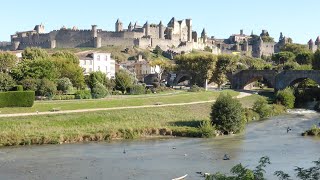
x,y
148,35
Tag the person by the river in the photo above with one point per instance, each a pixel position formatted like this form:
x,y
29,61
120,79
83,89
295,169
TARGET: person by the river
x,y
288,129
226,157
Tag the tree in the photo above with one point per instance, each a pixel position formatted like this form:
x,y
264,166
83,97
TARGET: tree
x,y
99,91
227,114
46,88
68,66
240,172
163,66
262,108
316,60
225,64
295,48
123,81
199,67
305,57
283,57
29,84
67,55
34,53
35,69
6,82
64,84
99,77
7,61
286,97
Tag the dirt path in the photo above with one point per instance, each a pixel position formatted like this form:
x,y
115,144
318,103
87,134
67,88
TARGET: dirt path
x,y
241,95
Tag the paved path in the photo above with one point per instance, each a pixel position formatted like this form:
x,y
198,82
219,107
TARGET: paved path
x,y
241,95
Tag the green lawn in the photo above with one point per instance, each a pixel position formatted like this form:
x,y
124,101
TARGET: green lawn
x,y
105,125
118,101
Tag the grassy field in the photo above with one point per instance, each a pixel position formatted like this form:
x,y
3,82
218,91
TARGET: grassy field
x,y
106,125
119,101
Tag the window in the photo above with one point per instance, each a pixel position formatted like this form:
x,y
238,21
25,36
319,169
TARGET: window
x,y
106,68
98,68
90,70
84,62
98,57
90,62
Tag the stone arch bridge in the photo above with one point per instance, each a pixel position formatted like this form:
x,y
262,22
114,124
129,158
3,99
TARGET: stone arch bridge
x,y
275,79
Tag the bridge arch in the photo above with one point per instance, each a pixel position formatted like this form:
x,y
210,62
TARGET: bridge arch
x,y
245,77
182,77
289,78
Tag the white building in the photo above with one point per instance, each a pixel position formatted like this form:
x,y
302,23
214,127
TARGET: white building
x,y
98,62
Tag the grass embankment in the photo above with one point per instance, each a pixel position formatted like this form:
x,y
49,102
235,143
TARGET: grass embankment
x,y
118,101
106,125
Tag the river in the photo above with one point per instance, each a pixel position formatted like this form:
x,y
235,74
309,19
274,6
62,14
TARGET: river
x,y
164,159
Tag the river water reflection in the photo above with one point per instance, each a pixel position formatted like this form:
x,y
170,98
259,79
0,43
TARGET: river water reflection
x,y
161,159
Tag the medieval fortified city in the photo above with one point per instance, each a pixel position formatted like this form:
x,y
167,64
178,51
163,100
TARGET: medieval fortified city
x,y
197,98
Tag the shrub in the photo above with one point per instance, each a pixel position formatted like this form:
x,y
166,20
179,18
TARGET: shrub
x,y
63,97
64,84
83,94
148,91
17,88
116,92
6,82
227,114
46,88
262,107
286,97
99,91
29,84
251,115
17,99
278,109
195,88
137,89
207,129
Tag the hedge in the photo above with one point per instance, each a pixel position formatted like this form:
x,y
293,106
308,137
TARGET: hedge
x,y
17,99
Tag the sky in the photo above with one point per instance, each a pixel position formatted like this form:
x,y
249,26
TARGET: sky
x,y
298,19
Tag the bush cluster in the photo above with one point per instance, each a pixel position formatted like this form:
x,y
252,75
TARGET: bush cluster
x,y
137,89
286,97
99,91
195,88
63,97
83,94
17,99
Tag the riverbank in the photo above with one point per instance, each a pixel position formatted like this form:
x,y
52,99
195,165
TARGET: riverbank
x,y
184,120
314,131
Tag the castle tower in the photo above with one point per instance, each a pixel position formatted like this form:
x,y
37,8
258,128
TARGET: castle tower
x,y
39,29
189,25
317,42
241,32
161,30
130,27
281,37
146,26
311,45
136,26
260,42
245,46
119,26
204,36
94,31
